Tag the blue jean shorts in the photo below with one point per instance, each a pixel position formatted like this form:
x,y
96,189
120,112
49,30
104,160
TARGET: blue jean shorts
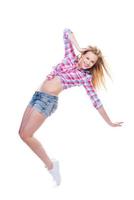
x,y
45,103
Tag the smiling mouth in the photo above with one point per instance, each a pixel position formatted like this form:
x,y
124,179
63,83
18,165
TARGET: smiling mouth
x,y
86,65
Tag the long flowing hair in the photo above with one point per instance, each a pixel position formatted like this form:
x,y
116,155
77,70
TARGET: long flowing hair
x,y
99,69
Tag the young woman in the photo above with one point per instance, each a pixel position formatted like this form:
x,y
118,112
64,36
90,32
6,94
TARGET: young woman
x,y
86,70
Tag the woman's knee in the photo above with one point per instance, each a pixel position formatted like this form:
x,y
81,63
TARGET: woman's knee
x,y
31,125
24,135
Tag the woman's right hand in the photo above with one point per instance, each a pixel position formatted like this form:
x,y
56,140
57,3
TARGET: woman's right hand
x,y
116,124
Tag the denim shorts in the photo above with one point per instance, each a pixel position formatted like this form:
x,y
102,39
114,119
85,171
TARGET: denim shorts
x,y
45,103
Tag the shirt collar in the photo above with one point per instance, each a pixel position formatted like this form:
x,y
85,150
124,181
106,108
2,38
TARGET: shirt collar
x,y
87,71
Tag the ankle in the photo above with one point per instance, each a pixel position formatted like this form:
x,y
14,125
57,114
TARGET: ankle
x,y
50,166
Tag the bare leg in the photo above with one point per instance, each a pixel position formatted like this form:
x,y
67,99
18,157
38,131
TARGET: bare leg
x,y
25,117
31,121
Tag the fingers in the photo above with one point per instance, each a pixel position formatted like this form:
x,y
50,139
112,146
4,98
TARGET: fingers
x,y
83,49
117,124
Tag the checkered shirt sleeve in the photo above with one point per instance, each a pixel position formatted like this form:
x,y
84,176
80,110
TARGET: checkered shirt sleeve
x,y
92,93
69,50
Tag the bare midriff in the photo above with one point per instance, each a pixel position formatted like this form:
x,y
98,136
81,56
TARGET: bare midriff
x,y
52,86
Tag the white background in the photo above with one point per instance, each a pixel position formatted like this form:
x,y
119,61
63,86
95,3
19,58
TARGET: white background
x,y
96,160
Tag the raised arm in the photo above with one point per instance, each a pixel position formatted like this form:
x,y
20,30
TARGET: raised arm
x,y
74,41
68,45
69,42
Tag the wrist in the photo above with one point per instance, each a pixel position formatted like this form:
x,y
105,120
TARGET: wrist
x,y
110,123
79,49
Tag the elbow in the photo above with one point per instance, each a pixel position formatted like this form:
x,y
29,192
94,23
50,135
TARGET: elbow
x,y
97,104
67,32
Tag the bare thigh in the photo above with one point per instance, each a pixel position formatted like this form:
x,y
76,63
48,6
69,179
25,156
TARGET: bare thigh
x,y
34,121
25,117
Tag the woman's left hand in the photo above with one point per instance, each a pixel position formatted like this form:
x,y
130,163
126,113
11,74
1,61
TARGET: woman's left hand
x,y
81,50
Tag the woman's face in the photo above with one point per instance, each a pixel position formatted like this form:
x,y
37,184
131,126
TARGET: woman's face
x,y
88,60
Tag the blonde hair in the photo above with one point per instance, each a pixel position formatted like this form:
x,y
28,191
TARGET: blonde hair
x,y
99,67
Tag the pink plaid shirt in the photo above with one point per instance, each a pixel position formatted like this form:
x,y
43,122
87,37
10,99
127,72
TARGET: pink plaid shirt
x,y
69,73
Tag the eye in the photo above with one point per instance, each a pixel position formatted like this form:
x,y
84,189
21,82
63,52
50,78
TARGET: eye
x,y
87,58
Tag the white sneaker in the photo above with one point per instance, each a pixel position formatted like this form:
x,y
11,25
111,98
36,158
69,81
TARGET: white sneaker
x,y
55,172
